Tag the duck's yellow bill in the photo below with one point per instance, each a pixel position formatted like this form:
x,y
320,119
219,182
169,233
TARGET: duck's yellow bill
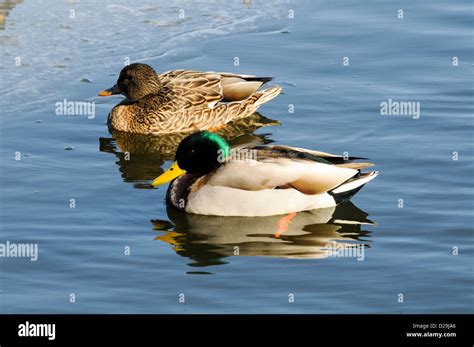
x,y
170,174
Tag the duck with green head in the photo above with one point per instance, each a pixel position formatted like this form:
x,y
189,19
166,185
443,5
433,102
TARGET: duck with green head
x,y
181,101
210,178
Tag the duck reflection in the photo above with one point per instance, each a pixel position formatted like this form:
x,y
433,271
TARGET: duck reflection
x,y
140,157
5,7
207,240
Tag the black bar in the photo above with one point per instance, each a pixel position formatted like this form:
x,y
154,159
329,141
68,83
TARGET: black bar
x,y
320,329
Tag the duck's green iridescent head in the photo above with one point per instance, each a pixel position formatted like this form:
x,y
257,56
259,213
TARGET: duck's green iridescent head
x,y
199,153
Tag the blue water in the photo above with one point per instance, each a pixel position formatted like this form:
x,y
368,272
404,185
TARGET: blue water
x,y
47,56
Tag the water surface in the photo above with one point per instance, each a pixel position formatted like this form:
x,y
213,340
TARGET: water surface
x,y
47,56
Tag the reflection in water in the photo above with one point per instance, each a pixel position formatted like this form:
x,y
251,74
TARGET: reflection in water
x,y
206,240
140,157
5,7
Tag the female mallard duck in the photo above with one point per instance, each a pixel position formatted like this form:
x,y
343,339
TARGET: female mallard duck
x,y
211,179
183,100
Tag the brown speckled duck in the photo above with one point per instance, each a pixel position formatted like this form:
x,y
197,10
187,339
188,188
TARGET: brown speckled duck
x,y
183,100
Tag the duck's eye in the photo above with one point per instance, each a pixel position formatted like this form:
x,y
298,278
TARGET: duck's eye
x,y
191,151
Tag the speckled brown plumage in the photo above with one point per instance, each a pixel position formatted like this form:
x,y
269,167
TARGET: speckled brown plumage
x,y
184,100
165,145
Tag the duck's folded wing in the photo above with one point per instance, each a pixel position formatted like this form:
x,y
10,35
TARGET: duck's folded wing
x,y
231,87
239,87
303,153
192,88
271,171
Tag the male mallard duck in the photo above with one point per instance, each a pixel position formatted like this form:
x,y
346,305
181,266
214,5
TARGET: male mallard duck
x,y
183,100
211,179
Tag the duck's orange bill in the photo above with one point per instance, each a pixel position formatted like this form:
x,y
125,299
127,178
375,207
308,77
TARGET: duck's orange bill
x,y
105,92
111,91
169,175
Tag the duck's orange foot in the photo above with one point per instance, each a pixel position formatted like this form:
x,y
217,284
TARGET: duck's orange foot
x,y
217,128
284,223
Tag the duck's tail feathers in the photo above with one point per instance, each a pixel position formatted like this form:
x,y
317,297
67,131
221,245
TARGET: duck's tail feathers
x,y
348,189
266,95
258,79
